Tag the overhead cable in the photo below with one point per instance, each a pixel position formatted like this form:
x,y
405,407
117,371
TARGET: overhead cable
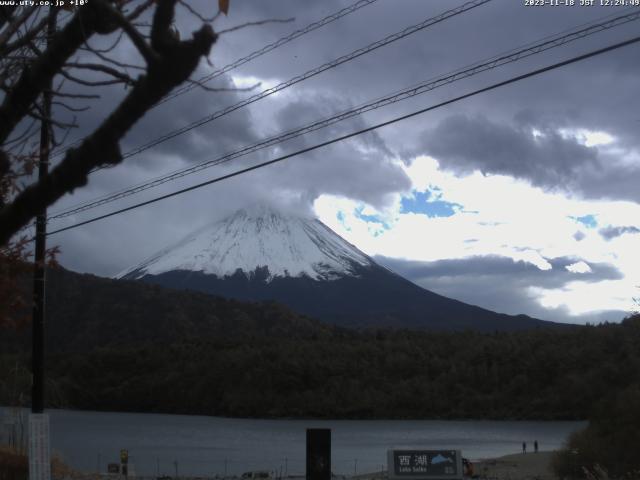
x,y
356,133
267,48
309,74
423,87
252,56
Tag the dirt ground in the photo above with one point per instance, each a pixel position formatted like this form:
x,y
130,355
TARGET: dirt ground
x,y
528,466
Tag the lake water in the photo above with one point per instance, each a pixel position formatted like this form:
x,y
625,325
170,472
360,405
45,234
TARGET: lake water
x,y
206,446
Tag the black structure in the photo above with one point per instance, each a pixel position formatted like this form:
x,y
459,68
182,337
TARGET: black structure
x,y
318,454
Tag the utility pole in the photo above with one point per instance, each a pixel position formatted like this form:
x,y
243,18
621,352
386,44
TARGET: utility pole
x,y
39,445
39,274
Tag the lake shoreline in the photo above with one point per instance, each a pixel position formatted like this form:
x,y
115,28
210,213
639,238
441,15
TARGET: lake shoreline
x,y
517,466
199,446
311,419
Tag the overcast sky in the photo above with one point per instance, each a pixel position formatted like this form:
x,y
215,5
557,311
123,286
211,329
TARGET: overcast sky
x,y
524,199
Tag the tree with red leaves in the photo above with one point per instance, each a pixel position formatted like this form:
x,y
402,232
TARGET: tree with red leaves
x,y
34,61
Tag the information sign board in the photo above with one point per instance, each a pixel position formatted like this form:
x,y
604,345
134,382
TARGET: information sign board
x,y
415,463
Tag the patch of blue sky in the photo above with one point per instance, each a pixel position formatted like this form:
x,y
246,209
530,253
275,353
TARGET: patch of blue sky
x,y
377,224
588,221
366,217
343,220
426,203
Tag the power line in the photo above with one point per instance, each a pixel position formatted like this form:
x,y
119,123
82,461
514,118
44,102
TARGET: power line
x,y
423,87
359,132
252,56
272,46
329,65
311,73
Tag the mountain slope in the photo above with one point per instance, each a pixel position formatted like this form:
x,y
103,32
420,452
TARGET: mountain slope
x,y
261,254
254,238
85,312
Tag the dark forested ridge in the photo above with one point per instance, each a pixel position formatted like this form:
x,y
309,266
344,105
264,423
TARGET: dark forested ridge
x,y
182,352
540,374
85,311
375,297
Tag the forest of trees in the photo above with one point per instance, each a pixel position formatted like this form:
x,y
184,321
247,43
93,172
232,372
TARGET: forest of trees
x,y
300,368
129,346
608,447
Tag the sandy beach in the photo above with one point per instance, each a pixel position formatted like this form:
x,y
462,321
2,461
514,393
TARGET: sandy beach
x,y
516,467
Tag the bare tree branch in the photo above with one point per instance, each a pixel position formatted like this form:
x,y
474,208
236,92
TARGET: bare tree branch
x,y
91,83
161,38
101,56
27,132
98,67
25,39
13,26
69,107
176,62
197,14
106,49
57,143
33,80
38,114
84,96
140,43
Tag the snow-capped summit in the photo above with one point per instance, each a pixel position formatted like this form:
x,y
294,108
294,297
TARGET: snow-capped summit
x,y
254,238
259,254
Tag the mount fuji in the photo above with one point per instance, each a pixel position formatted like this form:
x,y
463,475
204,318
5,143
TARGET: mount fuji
x,y
260,254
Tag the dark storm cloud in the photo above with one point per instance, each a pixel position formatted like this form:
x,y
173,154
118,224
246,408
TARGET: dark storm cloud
x,y
522,272
598,95
214,138
220,136
435,50
611,181
611,232
297,182
492,132
223,135
501,284
362,168
493,148
548,159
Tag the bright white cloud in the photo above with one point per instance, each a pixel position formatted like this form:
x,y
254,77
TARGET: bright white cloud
x,y
500,216
579,267
589,138
582,297
254,82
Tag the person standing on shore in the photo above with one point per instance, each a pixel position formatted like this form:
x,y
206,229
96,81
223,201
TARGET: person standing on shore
x,y
535,446
524,447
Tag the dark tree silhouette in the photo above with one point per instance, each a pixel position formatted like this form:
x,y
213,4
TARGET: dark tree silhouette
x,y
28,69
49,57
